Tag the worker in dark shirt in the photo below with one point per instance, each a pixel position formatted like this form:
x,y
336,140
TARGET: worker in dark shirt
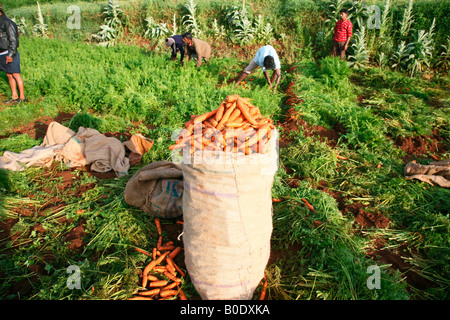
x,y
176,44
10,58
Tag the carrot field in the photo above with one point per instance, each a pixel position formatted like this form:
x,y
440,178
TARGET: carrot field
x,y
343,211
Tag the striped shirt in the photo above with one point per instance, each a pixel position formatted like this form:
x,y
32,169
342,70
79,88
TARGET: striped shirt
x,y
342,30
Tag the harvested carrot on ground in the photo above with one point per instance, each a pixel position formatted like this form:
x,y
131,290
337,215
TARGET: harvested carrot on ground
x,y
182,295
160,283
150,292
143,251
172,277
167,293
174,252
150,266
262,296
152,278
158,226
308,205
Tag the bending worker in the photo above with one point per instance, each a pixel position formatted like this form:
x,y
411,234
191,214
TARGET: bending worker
x,y
176,44
266,58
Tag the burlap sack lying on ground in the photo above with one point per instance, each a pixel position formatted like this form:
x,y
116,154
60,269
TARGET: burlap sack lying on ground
x,y
57,134
43,155
157,189
436,173
227,213
87,146
35,156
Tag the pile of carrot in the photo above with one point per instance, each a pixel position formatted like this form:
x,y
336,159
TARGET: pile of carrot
x,y
235,126
161,278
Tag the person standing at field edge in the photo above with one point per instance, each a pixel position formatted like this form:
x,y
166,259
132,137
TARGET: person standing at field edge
x,y
10,58
196,48
266,58
176,44
342,34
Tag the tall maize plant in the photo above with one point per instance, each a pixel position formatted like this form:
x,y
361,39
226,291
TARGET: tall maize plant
x,y
112,26
421,50
190,20
360,57
407,21
40,29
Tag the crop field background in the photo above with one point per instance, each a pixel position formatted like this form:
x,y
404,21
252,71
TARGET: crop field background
x,y
347,130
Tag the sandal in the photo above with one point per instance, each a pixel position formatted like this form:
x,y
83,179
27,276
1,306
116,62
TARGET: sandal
x,y
20,100
11,100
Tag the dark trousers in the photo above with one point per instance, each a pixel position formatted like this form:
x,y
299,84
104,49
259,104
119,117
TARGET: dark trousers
x,y
339,49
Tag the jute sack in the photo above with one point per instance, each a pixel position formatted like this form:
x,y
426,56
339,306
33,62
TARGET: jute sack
x,y
227,212
157,189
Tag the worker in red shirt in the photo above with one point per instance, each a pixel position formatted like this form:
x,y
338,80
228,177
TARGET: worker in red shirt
x,y
342,35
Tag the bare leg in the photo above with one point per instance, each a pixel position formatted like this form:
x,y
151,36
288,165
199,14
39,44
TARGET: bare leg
x,y
12,85
19,81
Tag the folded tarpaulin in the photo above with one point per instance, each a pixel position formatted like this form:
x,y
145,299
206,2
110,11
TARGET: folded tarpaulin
x,y
436,173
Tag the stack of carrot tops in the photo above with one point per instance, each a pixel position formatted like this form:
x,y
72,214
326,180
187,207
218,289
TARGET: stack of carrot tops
x,y
161,277
235,126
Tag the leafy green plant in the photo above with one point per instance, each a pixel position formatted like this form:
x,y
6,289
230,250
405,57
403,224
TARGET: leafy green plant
x,y
190,20
421,51
21,25
443,60
263,31
40,29
359,59
401,57
407,21
110,31
155,30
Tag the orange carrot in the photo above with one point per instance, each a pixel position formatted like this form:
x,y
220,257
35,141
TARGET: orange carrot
x,y
177,146
149,292
167,293
172,277
177,268
220,111
174,253
169,286
205,116
341,157
180,222
154,253
182,295
226,116
150,266
263,291
170,265
158,226
158,245
160,283
140,298
167,248
434,157
234,115
308,205
152,278
232,98
245,112
142,251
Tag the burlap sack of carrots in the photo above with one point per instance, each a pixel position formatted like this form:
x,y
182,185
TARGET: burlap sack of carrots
x,y
157,189
229,159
